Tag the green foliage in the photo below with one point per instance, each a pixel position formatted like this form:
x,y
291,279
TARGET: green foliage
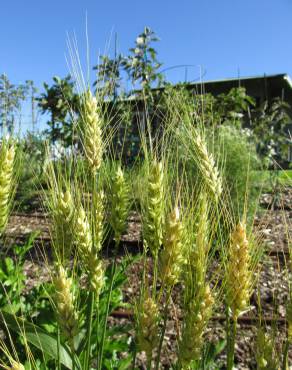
x,y
237,157
209,360
119,203
61,102
39,338
269,131
11,97
108,76
142,64
31,172
126,140
12,277
117,336
30,315
232,106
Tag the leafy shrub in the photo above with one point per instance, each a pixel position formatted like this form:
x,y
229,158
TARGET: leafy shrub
x,y
238,161
31,172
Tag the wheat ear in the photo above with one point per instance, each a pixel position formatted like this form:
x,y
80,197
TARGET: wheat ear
x,y
119,204
171,259
147,329
89,256
153,212
238,278
207,166
92,132
64,301
63,215
7,156
196,317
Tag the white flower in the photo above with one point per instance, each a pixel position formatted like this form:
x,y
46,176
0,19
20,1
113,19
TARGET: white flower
x,y
134,62
139,40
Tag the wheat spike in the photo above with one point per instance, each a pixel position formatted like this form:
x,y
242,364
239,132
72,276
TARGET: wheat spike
x,y
63,215
96,273
88,254
147,330
238,278
196,318
64,300
82,233
64,206
7,156
153,213
119,204
207,166
172,254
92,132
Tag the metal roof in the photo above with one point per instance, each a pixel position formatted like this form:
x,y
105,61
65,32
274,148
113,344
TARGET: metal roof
x,y
285,76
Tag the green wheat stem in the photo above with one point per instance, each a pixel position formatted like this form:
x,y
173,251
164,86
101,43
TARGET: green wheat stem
x,y
149,362
113,272
89,330
73,359
285,355
58,349
97,332
231,334
155,275
92,297
134,357
163,330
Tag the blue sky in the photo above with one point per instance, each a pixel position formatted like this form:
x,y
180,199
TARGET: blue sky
x,y
224,38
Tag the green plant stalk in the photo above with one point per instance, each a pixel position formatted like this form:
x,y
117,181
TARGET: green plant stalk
x,y
149,362
285,355
58,349
134,357
231,334
89,330
113,272
73,359
155,274
97,331
163,330
92,294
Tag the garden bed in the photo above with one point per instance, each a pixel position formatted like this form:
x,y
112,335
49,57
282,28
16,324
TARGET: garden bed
x,y
274,221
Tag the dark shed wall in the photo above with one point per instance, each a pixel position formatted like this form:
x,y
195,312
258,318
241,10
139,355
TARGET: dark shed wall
x,y
260,88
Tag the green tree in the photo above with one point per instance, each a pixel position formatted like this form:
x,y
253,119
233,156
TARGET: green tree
x,y
31,92
61,102
11,97
109,77
233,106
269,124
142,65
